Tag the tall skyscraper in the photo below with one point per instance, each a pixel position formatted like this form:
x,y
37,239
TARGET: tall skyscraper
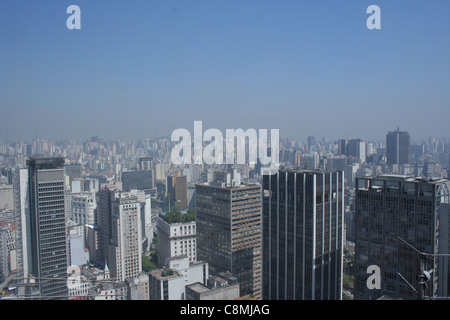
x,y
303,221
397,147
229,233
48,226
391,209
357,148
311,143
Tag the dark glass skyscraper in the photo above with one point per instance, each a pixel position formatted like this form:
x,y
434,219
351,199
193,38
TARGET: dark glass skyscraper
x,y
397,147
303,221
392,209
48,226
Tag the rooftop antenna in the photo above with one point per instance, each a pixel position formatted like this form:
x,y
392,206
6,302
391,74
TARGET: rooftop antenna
x,y
423,276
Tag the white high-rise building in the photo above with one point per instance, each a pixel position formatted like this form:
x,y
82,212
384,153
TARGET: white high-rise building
x,y
125,248
83,208
176,239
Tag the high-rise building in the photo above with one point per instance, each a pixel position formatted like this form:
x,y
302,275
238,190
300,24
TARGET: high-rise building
x,y
176,239
176,191
92,234
48,226
395,217
104,214
343,147
84,208
229,232
146,163
397,147
125,247
4,270
311,143
357,148
309,160
303,222
6,197
22,222
444,248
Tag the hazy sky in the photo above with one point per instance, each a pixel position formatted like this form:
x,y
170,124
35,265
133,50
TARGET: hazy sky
x,y
143,67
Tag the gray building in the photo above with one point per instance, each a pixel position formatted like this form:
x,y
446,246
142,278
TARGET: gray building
x,y
6,197
229,233
4,270
303,221
397,147
391,209
138,179
224,286
104,217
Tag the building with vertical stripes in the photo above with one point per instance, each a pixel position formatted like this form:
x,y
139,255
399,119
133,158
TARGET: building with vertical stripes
x,y
303,222
47,222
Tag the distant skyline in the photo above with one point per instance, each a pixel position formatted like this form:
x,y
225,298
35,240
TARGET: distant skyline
x,y
144,68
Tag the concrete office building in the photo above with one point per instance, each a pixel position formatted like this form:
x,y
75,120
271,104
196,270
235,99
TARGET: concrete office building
x,y
84,208
125,247
303,227
176,191
391,209
229,232
6,197
176,239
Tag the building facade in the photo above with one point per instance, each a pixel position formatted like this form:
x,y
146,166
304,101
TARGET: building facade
x,y
303,222
125,247
176,239
229,233
48,226
392,210
397,147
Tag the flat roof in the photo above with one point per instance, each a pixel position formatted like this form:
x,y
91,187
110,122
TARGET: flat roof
x,y
406,178
198,287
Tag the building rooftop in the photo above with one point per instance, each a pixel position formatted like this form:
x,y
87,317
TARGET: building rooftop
x,y
198,287
164,274
405,178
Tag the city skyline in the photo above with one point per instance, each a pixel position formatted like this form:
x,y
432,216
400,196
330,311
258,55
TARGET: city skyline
x,y
146,69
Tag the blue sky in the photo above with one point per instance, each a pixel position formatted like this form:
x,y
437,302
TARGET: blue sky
x,y
144,67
